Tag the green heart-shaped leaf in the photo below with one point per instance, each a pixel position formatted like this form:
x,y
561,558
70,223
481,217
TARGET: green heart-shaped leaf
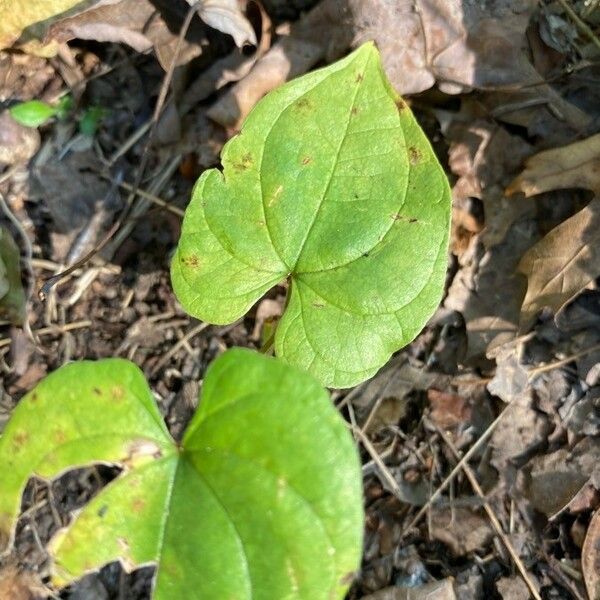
x,y
261,500
332,183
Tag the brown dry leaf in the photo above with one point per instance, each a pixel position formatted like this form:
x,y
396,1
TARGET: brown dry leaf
x,y
456,44
462,529
141,24
448,410
485,157
574,166
395,381
590,557
562,264
16,584
518,435
513,588
551,481
322,34
226,16
19,18
487,291
17,142
436,590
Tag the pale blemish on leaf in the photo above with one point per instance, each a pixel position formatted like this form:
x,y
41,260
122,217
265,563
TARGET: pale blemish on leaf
x,y
117,393
415,155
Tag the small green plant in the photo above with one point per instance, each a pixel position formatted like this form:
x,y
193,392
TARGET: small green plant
x,y
35,113
262,498
332,185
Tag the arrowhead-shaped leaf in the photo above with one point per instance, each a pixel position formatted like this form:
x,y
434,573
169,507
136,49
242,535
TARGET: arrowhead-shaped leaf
x,y
331,183
261,500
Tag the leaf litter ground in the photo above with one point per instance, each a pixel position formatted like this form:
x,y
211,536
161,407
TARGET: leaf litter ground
x,y
537,469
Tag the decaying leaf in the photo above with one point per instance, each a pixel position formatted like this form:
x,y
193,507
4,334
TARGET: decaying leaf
x,y
459,45
18,18
17,142
472,143
551,481
590,557
141,24
562,264
18,584
436,590
574,166
262,498
464,530
226,16
487,290
12,296
342,193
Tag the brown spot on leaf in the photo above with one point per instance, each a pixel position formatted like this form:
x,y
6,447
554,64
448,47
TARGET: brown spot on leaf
x,y
354,110
414,155
97,391
304,104
191,261
102,511
138,505
21,439
34,397
306,160
318,305
359,77
244,163
400,105
60,437
399,217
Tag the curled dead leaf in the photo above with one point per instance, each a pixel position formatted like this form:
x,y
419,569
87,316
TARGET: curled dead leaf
x,y
574,166
226,16
562,264
590,557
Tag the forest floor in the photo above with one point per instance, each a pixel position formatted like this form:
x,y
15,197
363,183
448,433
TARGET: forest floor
x,y
509,366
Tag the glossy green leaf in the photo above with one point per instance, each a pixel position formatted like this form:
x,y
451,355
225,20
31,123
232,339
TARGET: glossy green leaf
x,y
12,296
331,183
32,113
261,500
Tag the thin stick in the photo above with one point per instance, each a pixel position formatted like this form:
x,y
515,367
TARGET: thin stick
x,y
492,517
53,330
559,363
383,470
175,348
583,26
463,461
147,196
